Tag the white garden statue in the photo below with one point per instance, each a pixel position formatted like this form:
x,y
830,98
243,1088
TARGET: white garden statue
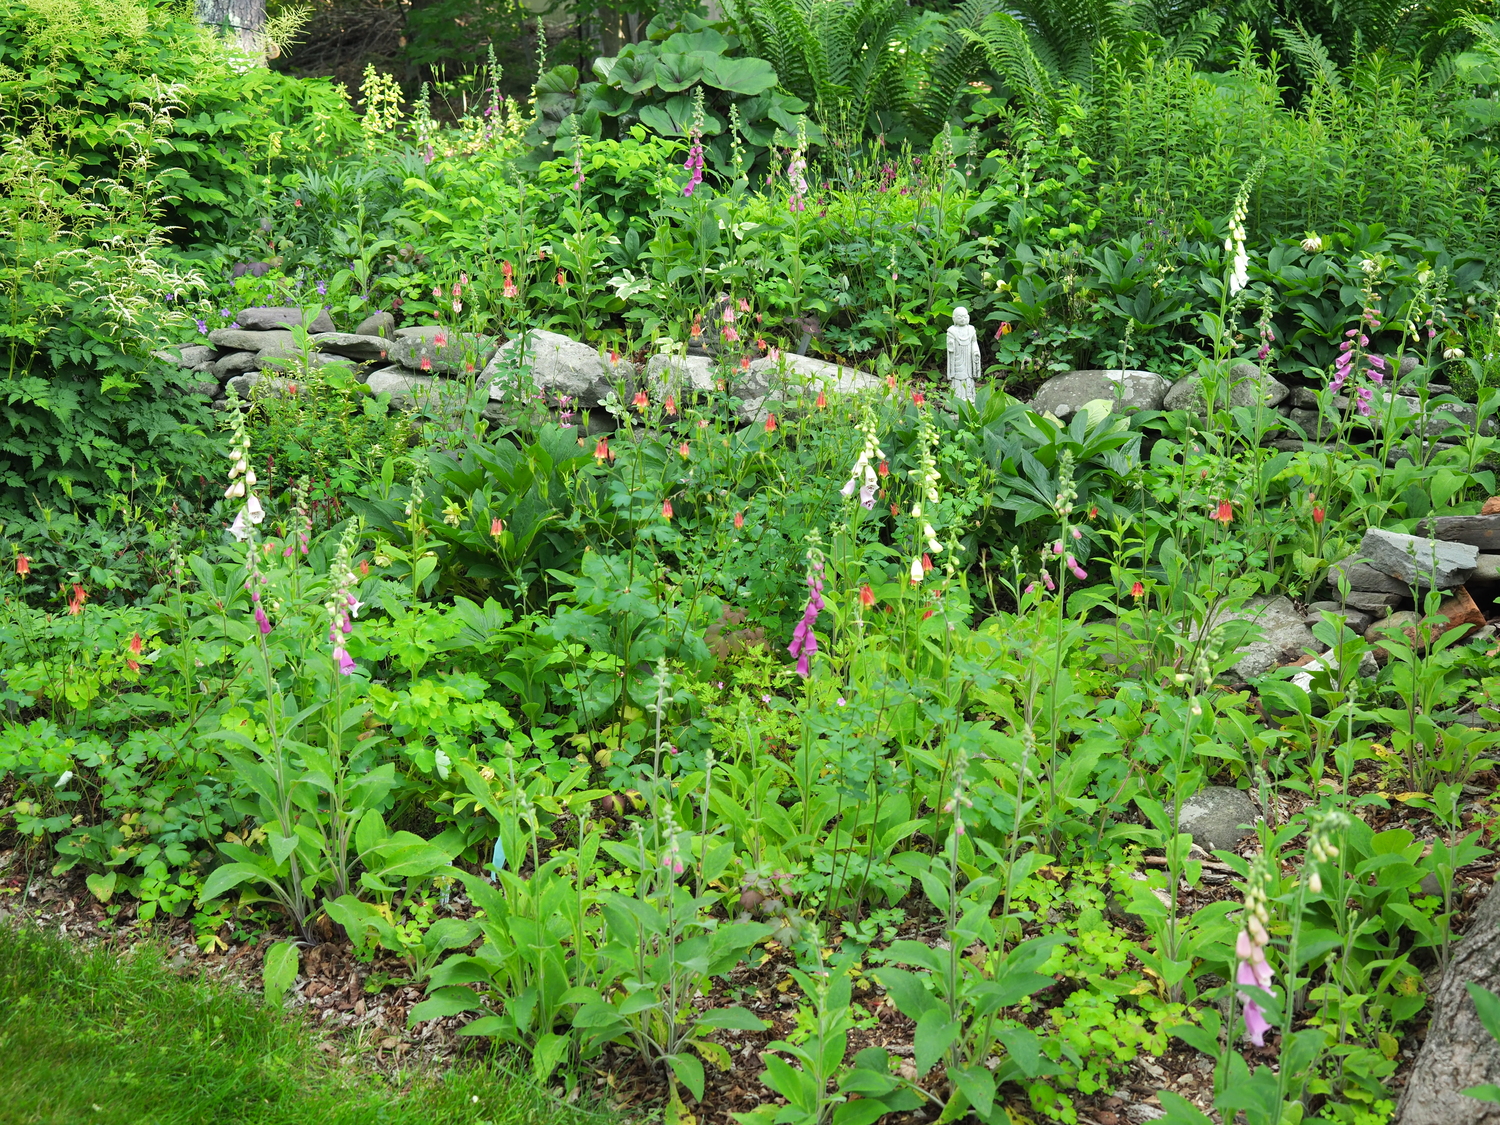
x,y
963,355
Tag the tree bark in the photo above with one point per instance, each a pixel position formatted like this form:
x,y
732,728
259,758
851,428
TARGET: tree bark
x,y
1458,1051
245,18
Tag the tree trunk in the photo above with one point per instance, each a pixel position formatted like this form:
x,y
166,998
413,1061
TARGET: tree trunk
x,y
245,19
1458,1051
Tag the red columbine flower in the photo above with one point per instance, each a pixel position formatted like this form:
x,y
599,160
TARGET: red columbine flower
x,y
918,397
440,340
614,356
895,511
670,406
866,596
1137,590
739,520
696,331
426,364
1224,513
364,567
1094,512
1318,514
510,280
640,402
601,451
135,645
23,565
821,401
1003,330
744,363
496,527
770,423
884,469
682,451
80,595
890,382
666,509
926,563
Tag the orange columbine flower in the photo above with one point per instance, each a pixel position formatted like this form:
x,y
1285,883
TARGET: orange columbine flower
x,y
496,527
770,423
822,400
1224,513
670,406
744,363
80,595
135,645
666,509
364,567
640,402
23,565
895,511
1137,590
697,329
866,595
884,469
601,451
739,520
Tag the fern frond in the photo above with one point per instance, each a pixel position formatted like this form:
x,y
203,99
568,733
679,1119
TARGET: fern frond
x,y
1310,56
1011,51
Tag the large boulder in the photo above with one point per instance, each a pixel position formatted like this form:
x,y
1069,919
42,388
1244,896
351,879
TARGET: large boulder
x,y
404,388
1283,635
1362,576
556,365
1218,818
441,349
1416,561
194,357
789,375
353,345
1064,395
678,375
1246,386
262,318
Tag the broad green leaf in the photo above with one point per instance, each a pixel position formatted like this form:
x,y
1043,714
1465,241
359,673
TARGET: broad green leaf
x,y
279,970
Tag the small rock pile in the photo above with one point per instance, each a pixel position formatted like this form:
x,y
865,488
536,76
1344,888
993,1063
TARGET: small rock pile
x,y
1130,391
1391,573
260,351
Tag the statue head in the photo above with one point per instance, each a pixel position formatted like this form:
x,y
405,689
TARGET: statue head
x,y
961,316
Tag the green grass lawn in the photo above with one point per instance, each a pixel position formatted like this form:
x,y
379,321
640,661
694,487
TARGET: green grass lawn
x,y
96,1036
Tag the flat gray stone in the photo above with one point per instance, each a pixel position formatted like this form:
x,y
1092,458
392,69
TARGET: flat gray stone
x,y
264,317
292,364
446,352
1362,576
1416,561
353,345
1214,817
1278,646
1378,605
1246,386
403,387
254,384
191,356
245,340
1357,619
1486,570
1064,395
1481,532
377,324
235,363
556,365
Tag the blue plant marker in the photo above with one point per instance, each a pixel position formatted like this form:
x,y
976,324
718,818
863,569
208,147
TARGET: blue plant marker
x,y
499,861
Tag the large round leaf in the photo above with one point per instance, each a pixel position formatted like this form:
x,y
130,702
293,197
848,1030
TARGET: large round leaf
x,y
635,73
740,76
679,71
707,41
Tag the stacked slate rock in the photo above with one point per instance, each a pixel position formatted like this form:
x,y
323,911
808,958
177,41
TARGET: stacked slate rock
x,y
1391,574
259,354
